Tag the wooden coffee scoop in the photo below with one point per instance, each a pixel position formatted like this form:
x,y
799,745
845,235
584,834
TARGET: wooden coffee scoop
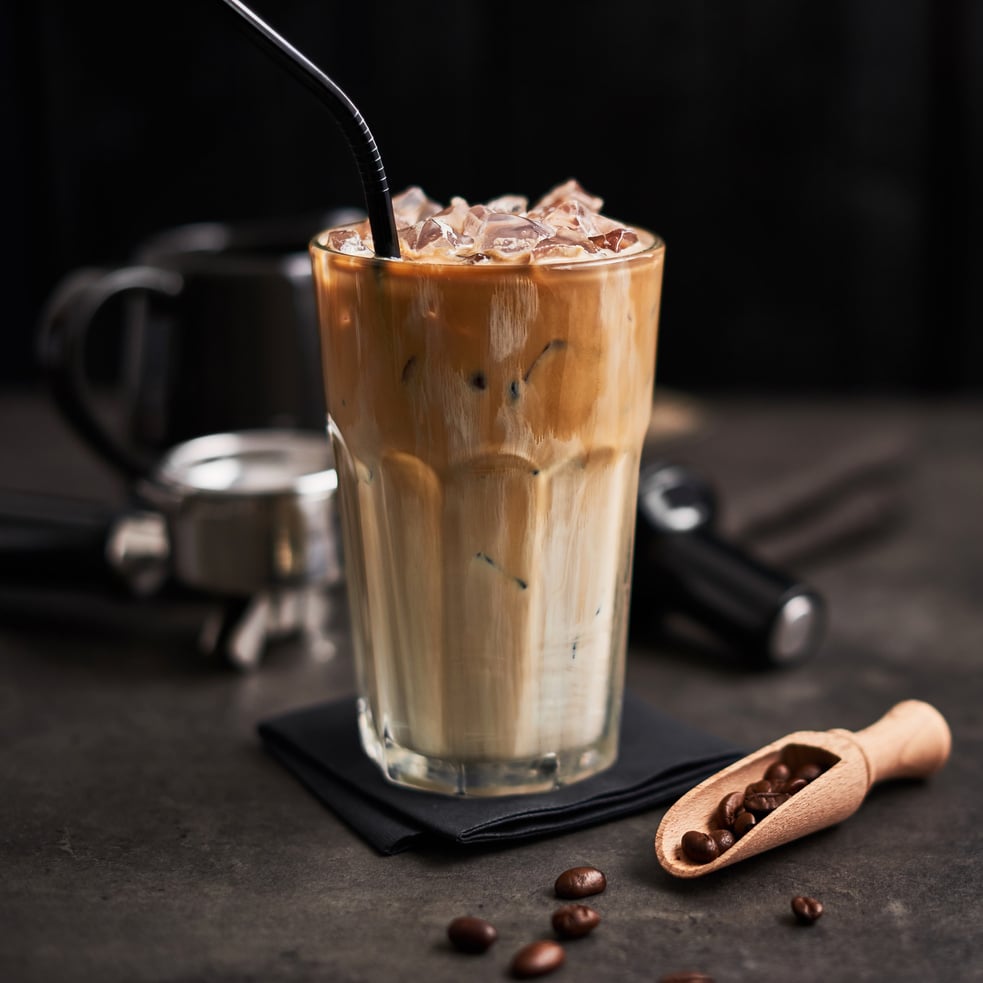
x,y
912,740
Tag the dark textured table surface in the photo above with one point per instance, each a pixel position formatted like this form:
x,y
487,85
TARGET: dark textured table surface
x,y
144,834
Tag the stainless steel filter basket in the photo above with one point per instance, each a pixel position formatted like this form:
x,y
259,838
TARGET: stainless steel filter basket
x,y
249,511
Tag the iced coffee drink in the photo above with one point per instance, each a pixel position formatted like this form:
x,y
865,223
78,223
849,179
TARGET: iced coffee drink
x,y
488,395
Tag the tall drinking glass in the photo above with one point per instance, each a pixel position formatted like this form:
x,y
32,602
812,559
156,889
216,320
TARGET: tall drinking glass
x,y
487,423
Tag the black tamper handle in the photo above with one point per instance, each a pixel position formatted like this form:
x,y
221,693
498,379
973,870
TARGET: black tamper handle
x,y
684,567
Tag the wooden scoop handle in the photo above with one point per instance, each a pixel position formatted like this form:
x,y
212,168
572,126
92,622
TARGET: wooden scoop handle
x,y
912,740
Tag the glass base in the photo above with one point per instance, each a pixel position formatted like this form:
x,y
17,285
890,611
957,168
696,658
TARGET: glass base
x,y
542,773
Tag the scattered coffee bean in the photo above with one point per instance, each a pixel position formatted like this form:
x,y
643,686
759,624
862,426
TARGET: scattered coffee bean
x,y
806,910
729,807
700,847
537,959
778,771
724,839
471,934
574,921
579,882
744,821
686,978
756,788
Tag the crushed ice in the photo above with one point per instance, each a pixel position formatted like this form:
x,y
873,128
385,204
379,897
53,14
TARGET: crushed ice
x,y
565,224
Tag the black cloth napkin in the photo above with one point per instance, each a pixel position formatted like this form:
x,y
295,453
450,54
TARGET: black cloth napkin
x,y
659,759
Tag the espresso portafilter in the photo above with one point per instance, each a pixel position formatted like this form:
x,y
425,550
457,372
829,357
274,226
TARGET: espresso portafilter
x,y
244,522
687,573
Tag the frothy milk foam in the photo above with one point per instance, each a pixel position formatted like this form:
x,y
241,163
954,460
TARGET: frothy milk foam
x,y
489,394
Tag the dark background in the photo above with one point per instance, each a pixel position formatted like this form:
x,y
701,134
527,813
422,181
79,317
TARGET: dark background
x,y
815,169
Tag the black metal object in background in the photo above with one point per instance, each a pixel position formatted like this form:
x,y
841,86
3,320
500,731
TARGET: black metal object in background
x,y
685,568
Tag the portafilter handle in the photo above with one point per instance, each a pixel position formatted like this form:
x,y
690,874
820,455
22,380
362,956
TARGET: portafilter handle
x,y
52,540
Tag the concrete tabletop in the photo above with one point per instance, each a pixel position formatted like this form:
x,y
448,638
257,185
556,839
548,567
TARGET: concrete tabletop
x,y
146,836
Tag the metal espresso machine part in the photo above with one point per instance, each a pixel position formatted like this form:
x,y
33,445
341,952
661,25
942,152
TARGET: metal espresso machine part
x,y
246,519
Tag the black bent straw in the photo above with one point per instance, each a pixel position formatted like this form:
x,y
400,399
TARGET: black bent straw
x,y
375,187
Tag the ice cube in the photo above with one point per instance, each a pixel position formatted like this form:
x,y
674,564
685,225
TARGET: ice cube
x,y
508,236
474,220
513,204
455,214
604,224
433,237
569,191
412,206
616,240
574,216
348,241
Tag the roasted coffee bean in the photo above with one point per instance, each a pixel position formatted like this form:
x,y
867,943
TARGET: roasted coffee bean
x,y
699,847
809,771
686,978
778,771
739,811
537,959
806,910
730,806
724,839
762,802
579,882
574,921
742,823
471,934
792,786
